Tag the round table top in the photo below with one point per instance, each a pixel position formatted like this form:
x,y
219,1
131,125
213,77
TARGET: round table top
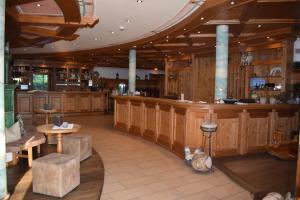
x,y
47,128
45,111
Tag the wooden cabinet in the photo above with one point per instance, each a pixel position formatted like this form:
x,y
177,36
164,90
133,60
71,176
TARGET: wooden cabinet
x,y
64,102
24,103
241,129
70,102
84,102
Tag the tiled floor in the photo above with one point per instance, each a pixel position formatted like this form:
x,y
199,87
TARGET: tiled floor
x,y
140,170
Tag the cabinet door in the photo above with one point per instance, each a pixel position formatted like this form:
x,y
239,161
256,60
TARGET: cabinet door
x,y
97,102
39,101
24,104
56,101
84,102
70,103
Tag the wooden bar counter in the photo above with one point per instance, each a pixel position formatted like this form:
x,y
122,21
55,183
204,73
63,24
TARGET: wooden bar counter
x,y
68,103
174,124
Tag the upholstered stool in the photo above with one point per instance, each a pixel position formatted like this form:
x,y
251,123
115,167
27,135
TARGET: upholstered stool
x,y
55,174
78,144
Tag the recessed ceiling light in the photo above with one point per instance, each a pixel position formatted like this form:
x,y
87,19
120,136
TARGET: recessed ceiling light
x,y
198,32
95,38
184,29
167,36
268,37
112,32
119,49
128,21
167,40
38,5
239,42
134,46
151,42
139,1
122,28
202,18
232,2
155,69
259,25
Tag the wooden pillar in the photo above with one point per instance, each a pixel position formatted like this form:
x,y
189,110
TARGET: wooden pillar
x,y
3,183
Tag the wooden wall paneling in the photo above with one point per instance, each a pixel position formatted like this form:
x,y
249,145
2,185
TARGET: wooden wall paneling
x,y
26,106
243,132
84,102
150,121
184,83
236,77
70,102
195,118
204,79
39,100
179,131
225,141
165,126
273,117
98,102
122,114
136,117
258,126
56,102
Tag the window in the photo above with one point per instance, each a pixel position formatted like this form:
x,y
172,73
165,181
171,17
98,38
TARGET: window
x,y
40,82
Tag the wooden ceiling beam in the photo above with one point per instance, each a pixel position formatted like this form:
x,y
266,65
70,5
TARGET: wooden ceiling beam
x,y
11,3
56,21
47,33
273,21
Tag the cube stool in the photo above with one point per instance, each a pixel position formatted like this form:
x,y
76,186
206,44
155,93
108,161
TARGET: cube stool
x,y
78,144
55,174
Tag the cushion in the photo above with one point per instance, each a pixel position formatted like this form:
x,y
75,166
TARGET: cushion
x,y
13,133
21,123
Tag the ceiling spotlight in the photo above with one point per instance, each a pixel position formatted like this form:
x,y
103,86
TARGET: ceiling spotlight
x,y
239,42
119,49
139,1
112,32
134,46
155,69
268,37
122,28
184,29
198,32
202,18
38,5
167,40
151,42
167,36
259,25
95,38
232,2
128,21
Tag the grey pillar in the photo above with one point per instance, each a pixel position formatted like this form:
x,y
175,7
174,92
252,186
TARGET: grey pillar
x,y
3,184
132,71
221,62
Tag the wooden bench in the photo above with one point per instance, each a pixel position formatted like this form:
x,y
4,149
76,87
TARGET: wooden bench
x,y
26,143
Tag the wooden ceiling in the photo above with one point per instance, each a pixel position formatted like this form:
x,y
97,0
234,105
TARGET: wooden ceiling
x,y
250,22
34,23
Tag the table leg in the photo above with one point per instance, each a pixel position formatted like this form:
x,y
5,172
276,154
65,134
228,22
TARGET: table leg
x,y
47,118
59,143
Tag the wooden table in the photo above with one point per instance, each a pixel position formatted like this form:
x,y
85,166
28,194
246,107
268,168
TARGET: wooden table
x,y
47,129
46,112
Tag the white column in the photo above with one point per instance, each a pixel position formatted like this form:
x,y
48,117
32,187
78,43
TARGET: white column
x,y
221,62
3,184
132,71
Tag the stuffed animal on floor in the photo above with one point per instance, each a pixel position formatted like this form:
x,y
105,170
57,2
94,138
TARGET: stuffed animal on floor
x,y
198,160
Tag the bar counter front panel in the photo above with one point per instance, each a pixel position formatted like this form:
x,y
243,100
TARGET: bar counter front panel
x,y
69,103
173,124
